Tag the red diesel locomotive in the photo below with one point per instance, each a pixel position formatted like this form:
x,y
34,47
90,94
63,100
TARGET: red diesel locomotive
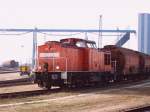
x,y
71,62
76,62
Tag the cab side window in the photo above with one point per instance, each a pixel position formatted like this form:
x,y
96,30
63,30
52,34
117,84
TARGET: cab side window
x,y
107,59
81,44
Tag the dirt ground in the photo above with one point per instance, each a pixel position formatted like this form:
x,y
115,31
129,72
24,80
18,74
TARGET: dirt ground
x,y
109,100
11,76
19,88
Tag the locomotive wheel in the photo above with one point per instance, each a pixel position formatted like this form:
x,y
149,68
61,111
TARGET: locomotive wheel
x,y
97,84
104,81
47,85
79,84
40,83
63,86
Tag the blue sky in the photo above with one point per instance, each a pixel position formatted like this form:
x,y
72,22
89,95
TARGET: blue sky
x,y
83,14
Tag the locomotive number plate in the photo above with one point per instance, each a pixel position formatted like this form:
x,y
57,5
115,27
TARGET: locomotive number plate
x,y
49,55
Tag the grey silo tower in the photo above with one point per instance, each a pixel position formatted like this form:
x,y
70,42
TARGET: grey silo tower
x,y
144,33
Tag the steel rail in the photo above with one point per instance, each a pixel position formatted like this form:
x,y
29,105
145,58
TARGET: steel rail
x,y
144,108
15,82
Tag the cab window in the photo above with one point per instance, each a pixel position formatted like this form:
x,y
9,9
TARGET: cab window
x,y
94,45
80,44
107,59
89,45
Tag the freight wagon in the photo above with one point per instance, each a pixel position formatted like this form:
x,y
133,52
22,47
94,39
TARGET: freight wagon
x,y
129,64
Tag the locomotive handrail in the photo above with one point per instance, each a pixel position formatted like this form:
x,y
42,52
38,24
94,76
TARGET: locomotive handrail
x,y
114,66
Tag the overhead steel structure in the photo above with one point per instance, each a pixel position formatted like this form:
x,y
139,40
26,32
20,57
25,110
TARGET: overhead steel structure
x,y
36,30
124,38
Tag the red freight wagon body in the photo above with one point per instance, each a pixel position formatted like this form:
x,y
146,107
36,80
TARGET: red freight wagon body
x,y
147,62
70,61
127,61
128,64
144,63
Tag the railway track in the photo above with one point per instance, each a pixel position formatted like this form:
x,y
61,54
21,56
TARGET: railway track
x,y
15,82
5,72
145,108
28,93
56,89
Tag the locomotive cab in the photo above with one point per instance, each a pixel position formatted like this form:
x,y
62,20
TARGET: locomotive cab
x,y
79,43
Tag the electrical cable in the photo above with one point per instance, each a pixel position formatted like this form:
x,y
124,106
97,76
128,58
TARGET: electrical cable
x,y
15,34
106,35
59,34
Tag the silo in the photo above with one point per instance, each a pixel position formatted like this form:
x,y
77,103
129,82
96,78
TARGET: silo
x,y
144,33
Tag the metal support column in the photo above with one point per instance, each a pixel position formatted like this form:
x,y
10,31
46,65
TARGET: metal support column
x,y
86,36
34,53
100,32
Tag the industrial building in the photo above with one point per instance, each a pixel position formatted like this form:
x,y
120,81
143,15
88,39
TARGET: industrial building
x,y
144,33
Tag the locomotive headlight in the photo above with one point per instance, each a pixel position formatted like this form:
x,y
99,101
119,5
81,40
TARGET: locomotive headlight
x,y
39,67
57,67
